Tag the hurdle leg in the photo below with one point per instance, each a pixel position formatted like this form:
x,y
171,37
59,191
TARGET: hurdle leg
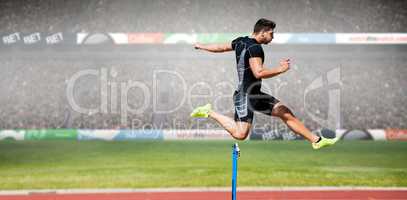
x,y
235,157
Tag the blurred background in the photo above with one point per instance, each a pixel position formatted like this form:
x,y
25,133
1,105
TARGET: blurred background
x,y
127,70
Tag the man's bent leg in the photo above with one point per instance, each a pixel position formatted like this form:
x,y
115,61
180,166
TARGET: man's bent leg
x,y
293,123
238,130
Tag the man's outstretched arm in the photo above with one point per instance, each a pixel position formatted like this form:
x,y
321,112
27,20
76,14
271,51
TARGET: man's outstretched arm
x,y
259,71
215,48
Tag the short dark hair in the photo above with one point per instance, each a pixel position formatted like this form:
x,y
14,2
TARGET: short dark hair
x,y
263,25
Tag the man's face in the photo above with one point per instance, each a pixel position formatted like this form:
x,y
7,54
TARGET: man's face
x,y
267,36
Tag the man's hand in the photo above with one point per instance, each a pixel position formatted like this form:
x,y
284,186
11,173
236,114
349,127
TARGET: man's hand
x,y
197,46
256,65
284,65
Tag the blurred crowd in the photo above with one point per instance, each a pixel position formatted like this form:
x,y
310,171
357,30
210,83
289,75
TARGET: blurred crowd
x,y
345,86
371,79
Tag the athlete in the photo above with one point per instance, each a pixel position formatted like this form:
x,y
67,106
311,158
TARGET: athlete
x,y
248,96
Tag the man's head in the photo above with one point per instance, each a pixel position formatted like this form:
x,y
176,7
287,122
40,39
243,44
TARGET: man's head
x,y
264,30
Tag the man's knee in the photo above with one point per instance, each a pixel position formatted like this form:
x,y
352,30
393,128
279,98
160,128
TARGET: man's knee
x,y
282,112
242,133
242,130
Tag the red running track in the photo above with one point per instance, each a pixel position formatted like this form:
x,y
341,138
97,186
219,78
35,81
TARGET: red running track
x,y
246,195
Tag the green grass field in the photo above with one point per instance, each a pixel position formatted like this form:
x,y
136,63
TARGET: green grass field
x,y
149,164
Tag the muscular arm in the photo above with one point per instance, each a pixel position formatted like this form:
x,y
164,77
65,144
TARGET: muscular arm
x,y
215,48
256,65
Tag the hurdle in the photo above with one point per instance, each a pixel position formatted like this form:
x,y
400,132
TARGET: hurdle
x,y
235,157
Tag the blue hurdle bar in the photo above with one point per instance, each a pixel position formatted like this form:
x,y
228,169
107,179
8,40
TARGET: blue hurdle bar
x,y
235,157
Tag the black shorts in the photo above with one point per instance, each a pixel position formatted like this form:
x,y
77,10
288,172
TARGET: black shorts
x,y
246,104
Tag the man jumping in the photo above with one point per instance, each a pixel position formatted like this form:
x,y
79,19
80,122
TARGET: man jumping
x,y
248,96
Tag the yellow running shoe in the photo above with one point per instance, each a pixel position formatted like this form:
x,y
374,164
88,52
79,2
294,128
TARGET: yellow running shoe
x,y
202,111
324,142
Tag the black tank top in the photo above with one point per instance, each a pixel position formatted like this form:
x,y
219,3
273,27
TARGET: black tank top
x,y
246,48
